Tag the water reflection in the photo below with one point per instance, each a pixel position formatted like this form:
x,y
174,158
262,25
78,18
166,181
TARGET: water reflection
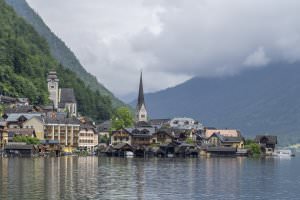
x,y
119,178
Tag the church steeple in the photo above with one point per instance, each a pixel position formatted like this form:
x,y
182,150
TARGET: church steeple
x,y
141,99
141,112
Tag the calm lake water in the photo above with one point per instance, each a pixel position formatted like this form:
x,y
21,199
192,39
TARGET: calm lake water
x,y
132,178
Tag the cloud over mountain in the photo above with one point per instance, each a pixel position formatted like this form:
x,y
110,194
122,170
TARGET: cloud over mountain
x,y
173,41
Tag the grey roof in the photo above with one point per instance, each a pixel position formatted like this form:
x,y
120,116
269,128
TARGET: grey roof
x,y
20,109
13,117
50,120
142,124
7,99
20,131
67,95
104,126
52,75
159,121
49,141
226,139
269,139
221,149
141,132
19,146
122,145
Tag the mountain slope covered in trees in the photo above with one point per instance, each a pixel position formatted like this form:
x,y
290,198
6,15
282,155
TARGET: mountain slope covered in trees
x,y
265,100
59,50
25,60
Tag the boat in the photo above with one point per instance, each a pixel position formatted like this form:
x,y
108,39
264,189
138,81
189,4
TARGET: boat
x,y
283,153
129,154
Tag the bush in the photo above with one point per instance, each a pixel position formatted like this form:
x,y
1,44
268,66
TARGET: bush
x,y
26,139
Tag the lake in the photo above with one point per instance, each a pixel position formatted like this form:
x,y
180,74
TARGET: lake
x,y
155,178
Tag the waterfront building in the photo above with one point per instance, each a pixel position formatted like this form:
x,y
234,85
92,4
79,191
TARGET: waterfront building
x,y
141,111
120,136
163,136
3,133
218,140
267,142
36,123
63,98
88,137
16,120
64,130
20,149
137,136
104,128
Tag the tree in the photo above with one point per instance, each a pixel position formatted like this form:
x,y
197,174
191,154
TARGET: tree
x,y
122,118
26,139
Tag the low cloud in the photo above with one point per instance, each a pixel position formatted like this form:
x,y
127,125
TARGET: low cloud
x,y
172,41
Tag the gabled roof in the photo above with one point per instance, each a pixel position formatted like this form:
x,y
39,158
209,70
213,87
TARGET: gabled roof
x,y
159,121
13,117
20,109
141,131
19,146
67,96
73,120
142,124
104,126
226,139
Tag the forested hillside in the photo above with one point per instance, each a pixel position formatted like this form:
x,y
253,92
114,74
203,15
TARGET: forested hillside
x,y
25,60
59,50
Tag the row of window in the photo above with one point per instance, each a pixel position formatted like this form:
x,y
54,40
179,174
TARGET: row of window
x,y
86,141
87,134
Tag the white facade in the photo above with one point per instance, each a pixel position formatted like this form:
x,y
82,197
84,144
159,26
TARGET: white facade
x,y
141,114
185,123
88,139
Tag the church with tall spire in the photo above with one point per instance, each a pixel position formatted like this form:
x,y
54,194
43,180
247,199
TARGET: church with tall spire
x,y
141,112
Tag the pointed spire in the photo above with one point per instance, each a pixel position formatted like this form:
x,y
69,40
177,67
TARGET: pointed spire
x,y
141,99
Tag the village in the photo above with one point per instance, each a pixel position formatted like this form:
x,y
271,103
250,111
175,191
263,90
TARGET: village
x,y
58,129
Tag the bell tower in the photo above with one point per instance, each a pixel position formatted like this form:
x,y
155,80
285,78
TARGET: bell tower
x,y
53,89
141,112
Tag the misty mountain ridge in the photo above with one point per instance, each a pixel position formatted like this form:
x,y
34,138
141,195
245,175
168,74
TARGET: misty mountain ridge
x,y
257,101
59,49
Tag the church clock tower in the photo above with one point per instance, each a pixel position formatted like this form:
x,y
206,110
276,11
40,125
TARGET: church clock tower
x,y
141,112
53,88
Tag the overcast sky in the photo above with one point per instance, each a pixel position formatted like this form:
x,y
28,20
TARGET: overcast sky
x,y
174,40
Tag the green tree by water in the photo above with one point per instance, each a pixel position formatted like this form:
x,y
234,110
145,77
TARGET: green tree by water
x,y
122,118
253,147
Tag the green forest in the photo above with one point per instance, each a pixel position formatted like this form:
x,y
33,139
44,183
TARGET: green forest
x,y
25,60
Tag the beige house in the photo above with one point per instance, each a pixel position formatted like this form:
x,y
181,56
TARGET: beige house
x,y
121,136
223,132
64,130
88,137
219,140
37,124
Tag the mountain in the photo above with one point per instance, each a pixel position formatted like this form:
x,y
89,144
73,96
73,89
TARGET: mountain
x,y
265,100
25,60
59,50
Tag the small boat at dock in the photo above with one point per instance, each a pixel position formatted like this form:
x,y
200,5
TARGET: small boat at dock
x,y
283,153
